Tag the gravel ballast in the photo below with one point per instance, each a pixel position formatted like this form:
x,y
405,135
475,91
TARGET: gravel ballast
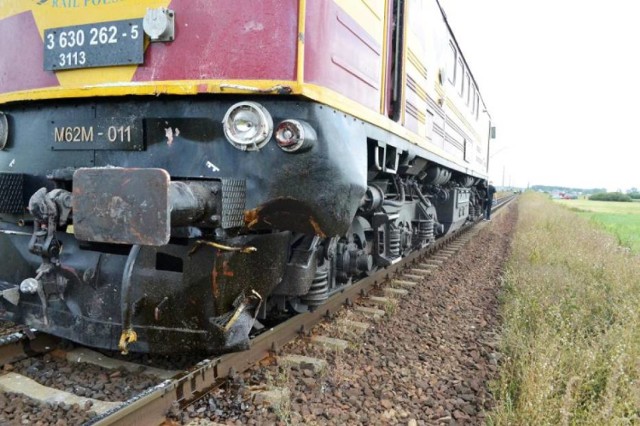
x,y
16,409
81,379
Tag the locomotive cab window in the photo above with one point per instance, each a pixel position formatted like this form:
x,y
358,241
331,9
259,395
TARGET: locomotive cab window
x,y
395,67
461,80
473,102
451,65
467,86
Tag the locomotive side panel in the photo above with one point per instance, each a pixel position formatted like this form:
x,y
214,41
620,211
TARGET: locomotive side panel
x,y
343,48
22,57
465,121
347,50
417,74
446,120
214,42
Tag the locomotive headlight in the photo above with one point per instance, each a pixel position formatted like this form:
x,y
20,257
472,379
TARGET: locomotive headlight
x,y
295,136
4,130
248,126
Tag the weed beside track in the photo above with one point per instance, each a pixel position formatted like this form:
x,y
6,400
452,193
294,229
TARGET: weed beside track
x,y
571,333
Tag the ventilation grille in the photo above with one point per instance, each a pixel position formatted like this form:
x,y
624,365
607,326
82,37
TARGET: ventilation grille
x,y
233,202
11,189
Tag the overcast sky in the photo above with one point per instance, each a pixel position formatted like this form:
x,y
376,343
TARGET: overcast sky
x,y
561,80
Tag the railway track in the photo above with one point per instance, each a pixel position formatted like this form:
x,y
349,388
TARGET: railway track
x,y
170,388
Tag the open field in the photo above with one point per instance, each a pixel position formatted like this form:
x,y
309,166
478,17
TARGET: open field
x,y
619,218
571,325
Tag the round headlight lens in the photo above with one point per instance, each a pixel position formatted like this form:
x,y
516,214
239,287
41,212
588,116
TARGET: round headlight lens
x,y
248,126
4,130
290,135
295,136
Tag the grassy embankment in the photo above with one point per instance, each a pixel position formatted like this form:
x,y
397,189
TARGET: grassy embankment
x,y
620,219
571,323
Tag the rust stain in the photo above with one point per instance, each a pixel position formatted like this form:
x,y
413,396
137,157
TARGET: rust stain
x,y
252,217
316,227
226,271
137,234
214,283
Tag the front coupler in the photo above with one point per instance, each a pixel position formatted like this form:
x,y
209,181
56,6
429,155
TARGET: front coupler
x,y
202,294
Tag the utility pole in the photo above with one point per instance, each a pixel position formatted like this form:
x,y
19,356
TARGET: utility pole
x,y
503,170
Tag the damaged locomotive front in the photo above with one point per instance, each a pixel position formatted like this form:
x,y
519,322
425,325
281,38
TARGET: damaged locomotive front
x,y
175,173
156,259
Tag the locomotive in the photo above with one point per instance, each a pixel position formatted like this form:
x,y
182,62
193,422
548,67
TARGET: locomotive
x,y
175,173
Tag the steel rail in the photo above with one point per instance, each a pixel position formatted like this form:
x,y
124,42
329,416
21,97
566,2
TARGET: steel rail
x,y
151,406
24,344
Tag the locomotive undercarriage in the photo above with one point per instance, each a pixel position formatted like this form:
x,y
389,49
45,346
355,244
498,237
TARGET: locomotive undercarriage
x,y
209,238
396,216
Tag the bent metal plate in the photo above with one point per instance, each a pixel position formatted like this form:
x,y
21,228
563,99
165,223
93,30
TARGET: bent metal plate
x,y
94,45
122,206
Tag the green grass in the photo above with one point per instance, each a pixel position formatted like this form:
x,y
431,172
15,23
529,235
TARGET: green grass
x,y
602,206
570,337
620,219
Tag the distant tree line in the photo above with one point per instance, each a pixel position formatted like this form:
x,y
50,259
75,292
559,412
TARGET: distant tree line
x,y
610,196
634,193
546,188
